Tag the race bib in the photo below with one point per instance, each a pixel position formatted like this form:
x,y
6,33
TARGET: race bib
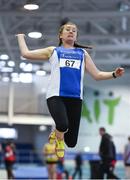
x,y
71,63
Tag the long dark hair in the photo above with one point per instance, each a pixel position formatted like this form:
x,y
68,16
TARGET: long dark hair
x,y
75,43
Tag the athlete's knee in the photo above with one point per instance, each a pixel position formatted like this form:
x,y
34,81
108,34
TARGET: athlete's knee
x,y
71,144
63,127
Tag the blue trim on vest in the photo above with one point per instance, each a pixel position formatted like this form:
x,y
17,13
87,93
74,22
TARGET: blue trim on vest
x,y
70,78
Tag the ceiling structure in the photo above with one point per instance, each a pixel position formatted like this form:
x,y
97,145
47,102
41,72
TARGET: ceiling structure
x,y
103,24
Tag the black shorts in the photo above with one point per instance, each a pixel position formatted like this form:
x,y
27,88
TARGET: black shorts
x,y
66,113
51,162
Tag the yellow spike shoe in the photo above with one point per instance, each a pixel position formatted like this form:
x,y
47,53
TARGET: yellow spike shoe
x,y
52,137
60,148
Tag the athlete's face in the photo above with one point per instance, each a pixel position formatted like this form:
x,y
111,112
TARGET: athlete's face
x,y
69,33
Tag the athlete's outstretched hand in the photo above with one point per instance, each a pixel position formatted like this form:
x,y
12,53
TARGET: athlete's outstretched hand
x,y
119,71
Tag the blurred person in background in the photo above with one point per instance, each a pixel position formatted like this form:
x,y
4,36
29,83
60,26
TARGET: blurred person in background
x,y
78,166
127,159
65,89
107,152
0,153
62,172
9,158
51,160
0,147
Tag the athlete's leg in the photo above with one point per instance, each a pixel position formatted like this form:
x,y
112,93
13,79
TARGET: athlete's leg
x,y
74,107
51,171
58,112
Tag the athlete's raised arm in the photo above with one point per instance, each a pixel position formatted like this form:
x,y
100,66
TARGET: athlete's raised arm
x,y
38,54
101,75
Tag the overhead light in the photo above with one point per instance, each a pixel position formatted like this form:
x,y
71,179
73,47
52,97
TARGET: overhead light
x,y
35,35
25,77
2,63
14,75
7,69
27,67
4,57
11,63
22,65
15,79
42,128
31,6
5,79
87,149
8,133
41,73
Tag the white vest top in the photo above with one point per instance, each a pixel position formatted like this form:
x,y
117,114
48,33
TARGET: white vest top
x,y
67,72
